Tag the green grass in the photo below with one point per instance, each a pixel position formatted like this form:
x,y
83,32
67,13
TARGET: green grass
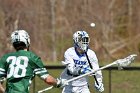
x,y
122,82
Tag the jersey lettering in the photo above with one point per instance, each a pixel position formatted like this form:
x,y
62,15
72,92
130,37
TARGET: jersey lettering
x,y
17,66
79,62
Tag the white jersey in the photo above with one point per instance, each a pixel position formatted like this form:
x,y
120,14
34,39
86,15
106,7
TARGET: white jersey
x,y
75,61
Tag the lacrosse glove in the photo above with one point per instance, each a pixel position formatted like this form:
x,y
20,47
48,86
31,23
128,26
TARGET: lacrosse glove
x,y
61,83
100,86
85,69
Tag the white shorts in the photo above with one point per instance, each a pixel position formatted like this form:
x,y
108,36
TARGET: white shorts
x,y
76,89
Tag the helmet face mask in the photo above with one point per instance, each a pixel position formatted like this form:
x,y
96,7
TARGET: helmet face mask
x,y
20,36
81,40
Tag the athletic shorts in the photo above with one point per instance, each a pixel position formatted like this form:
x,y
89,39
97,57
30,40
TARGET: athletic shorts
x,y
76,89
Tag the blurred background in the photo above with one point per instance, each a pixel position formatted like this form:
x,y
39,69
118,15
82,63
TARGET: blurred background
x,y
51,24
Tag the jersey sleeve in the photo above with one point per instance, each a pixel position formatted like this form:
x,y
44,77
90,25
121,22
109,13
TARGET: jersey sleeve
x,y
69,62
68,59
2,68
38,66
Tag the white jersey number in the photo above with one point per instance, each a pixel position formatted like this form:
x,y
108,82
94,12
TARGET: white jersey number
x,y
17,66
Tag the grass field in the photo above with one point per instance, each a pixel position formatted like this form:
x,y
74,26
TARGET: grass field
x,y
121,82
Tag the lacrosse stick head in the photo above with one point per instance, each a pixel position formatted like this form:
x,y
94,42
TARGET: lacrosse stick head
x,y
126,61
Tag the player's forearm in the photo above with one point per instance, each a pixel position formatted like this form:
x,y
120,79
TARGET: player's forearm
x,y
2,90
51,80
54,82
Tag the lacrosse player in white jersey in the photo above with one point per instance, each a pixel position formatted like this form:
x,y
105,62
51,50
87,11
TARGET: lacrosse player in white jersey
x,y
76,63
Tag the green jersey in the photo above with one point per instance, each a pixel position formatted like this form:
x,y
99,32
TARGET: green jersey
x,y
19,68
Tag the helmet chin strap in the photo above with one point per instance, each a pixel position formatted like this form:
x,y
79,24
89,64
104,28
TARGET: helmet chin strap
x,y
83,47
79,50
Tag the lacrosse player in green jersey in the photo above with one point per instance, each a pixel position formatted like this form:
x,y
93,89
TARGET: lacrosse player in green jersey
x,y
21,66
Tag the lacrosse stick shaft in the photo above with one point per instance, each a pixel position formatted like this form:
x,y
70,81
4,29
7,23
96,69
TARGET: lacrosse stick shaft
x,y
70,80
91,68
45,89
93,71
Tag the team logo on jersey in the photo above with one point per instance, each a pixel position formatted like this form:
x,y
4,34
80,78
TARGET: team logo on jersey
x,y
77,62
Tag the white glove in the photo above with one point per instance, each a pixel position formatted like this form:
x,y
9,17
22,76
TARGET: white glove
x,y
61,83
99,87
85,69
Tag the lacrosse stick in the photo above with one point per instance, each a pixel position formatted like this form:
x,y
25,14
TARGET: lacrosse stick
x,y
91,68
120,63
45,89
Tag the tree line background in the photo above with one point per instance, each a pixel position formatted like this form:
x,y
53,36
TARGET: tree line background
x,y
51,24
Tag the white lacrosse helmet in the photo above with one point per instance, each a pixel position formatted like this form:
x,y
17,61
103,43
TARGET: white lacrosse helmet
x,y
20,36
81,40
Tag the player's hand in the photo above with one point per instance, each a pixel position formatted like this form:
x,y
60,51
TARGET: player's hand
x,y
99,87
85,69
61,83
